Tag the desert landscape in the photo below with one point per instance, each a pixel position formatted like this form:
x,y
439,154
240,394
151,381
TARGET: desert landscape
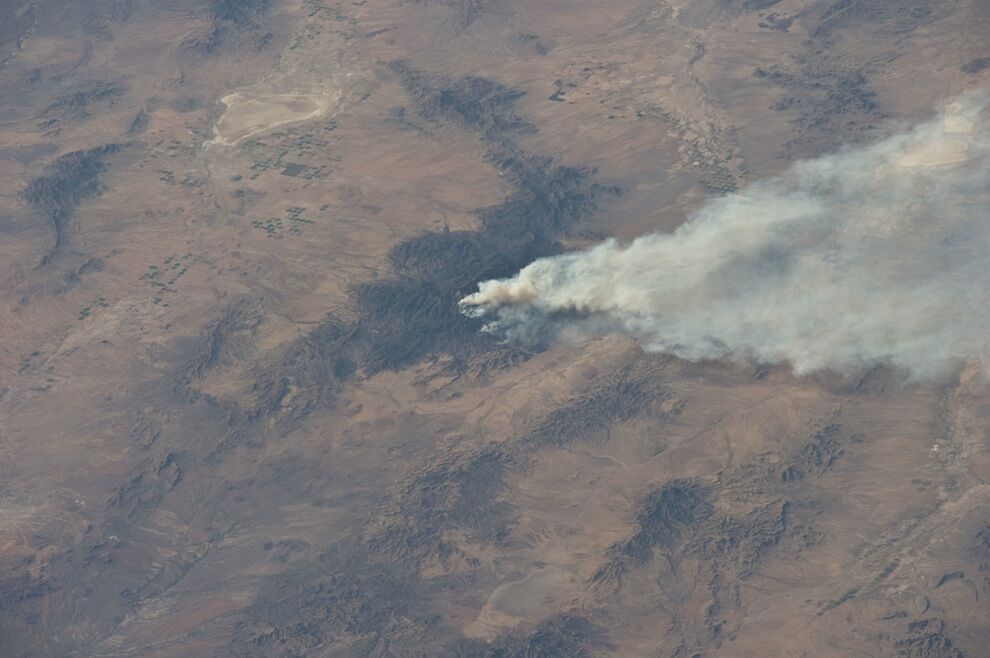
x,y
244,410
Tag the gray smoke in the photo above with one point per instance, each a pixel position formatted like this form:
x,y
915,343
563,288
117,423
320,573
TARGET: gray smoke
x,y
872,255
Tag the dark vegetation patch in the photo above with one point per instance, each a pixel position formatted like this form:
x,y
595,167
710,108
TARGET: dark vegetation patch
x,y
975,65
23,599
16,590
981,548
225,339
737,543
926,638
893,15
145,489
77,104
829,94
284,550
816,456
185,104
237,12
98,17
682,521
875,381
561,635
628,393
68,181
286,385
949,577
758,5
15,23
663,518
464,12
366,596
731,547
120,10
723,527
359,607
310,368
533,44
826,99
477,103
779,22
140,123
232,21
341,598
461,495
665,515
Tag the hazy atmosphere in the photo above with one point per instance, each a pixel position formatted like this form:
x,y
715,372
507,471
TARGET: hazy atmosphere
x,y
871,255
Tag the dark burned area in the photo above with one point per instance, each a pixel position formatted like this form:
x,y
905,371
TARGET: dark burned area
x,y
414,314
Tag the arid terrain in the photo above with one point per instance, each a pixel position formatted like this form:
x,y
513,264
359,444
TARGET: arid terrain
x,y
241,412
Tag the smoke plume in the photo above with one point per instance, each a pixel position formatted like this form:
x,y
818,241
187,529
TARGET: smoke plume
x,y
872,255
